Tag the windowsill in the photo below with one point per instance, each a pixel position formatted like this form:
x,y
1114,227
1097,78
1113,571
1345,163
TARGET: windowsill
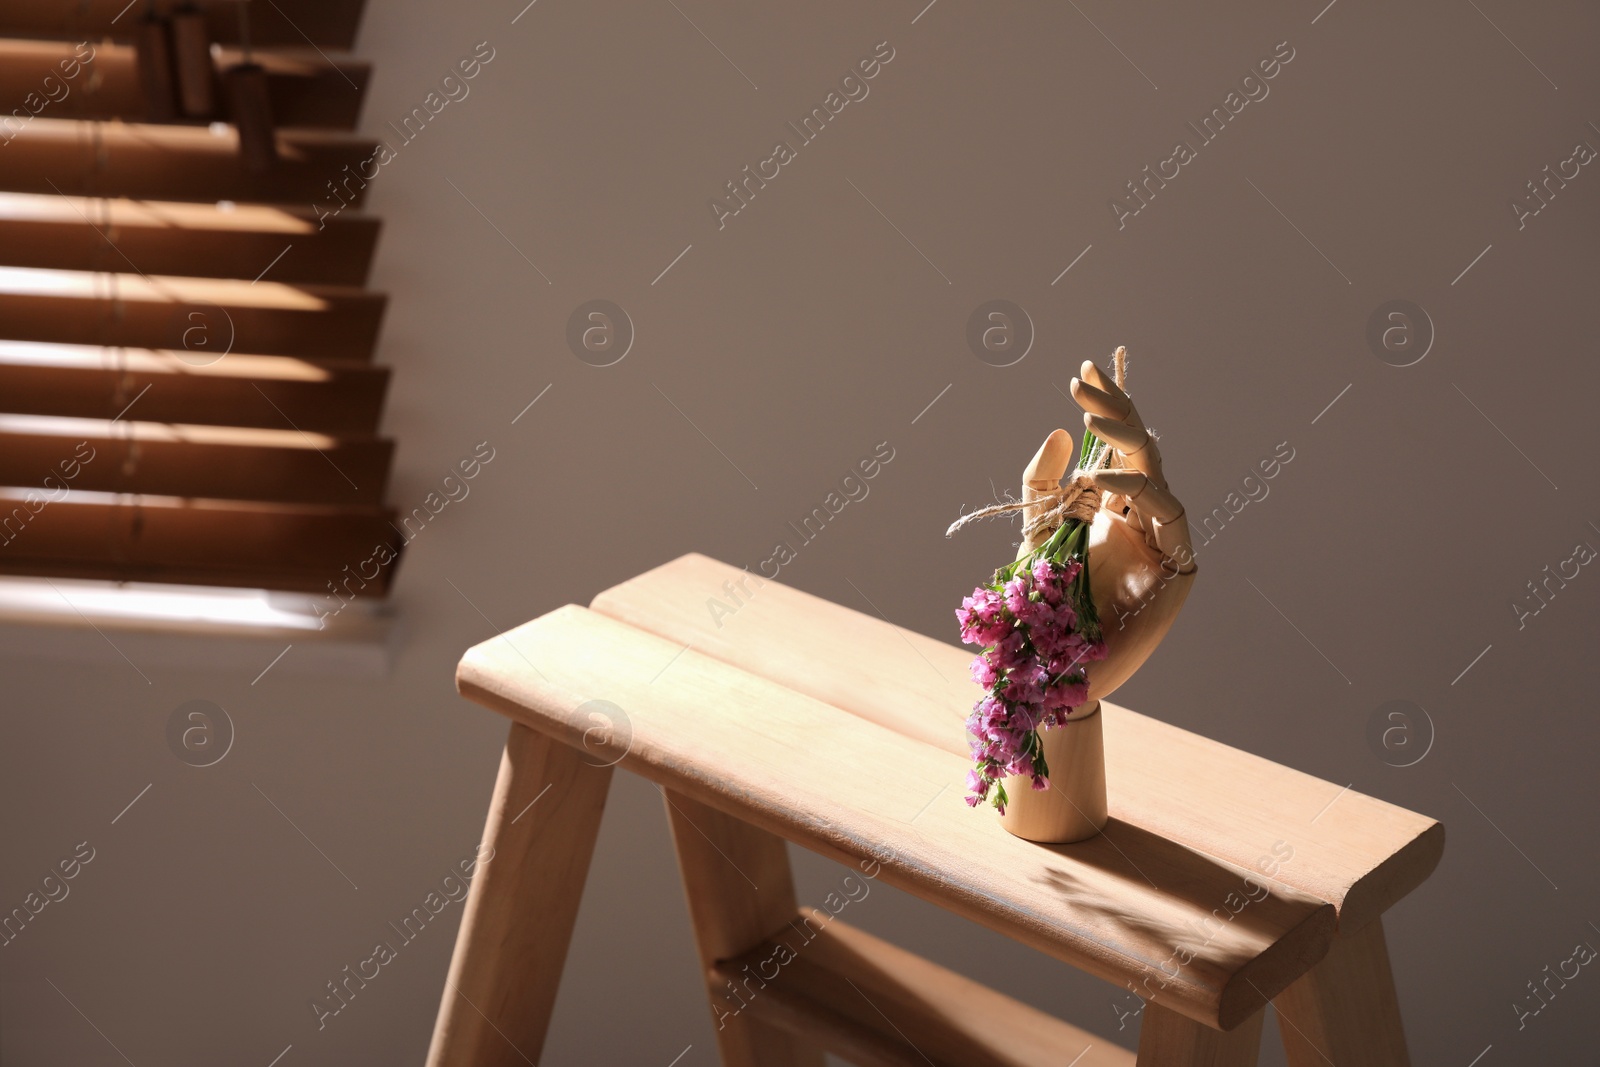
x,y
196,627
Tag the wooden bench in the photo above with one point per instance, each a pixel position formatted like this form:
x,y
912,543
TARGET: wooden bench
x,y
1222,881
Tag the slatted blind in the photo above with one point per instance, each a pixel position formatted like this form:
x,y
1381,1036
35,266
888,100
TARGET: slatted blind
x,y
187,385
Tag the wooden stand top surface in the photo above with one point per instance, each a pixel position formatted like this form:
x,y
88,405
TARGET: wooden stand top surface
x,y
826,727
1356,852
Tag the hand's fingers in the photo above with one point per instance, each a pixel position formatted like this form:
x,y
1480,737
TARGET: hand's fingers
x,y
1091,373
1165,525
1126,439
1097,394
1146,496
1043,474
1044,471
1099,402
1172,541
1134,445
1140,484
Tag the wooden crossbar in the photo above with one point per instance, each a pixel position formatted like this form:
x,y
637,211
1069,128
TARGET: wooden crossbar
x,y
878,1005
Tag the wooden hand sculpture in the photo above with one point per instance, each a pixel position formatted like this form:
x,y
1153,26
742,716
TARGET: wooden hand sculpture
x,y
1141,563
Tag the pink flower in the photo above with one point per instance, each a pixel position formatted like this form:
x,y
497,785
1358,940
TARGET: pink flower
x,y
982,618
1031,667
1019,765
1024,720
1051,580
1038,615
1060,647
1071,660
1067,695
989,719
1012,652
1016,595
1025,684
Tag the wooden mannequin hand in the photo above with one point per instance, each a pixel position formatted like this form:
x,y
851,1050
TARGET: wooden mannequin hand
x,y
1141,563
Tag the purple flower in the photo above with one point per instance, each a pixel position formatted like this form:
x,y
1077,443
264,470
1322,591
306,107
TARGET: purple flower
x,y
1060,647
1070,662
1039,615
989,719
1016,595
1066,695
1013,652
1031,628
1025,684
982,617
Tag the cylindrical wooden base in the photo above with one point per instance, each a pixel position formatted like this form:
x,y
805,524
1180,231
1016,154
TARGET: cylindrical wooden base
x,y
1074,807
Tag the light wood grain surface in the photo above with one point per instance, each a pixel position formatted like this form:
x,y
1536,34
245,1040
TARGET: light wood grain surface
x,y
1345,1010
877,1005
543,820
1167,1039
1128,906
1358,853
738,887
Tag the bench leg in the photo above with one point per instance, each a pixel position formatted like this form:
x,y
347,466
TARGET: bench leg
x,y
522,905
740,891
1344,1009
1167,1039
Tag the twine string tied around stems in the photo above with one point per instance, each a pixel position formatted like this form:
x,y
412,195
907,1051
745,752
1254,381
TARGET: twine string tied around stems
x,y
1079,499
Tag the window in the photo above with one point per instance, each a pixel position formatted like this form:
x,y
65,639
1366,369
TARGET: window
x,y
187,392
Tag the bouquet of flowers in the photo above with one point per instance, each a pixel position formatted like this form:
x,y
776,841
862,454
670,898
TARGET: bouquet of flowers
x,y
1038,625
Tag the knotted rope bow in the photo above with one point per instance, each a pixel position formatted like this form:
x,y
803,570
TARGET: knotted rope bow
x,y
1078,499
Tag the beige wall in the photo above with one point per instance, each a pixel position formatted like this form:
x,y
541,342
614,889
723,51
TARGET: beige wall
x,y
799,336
